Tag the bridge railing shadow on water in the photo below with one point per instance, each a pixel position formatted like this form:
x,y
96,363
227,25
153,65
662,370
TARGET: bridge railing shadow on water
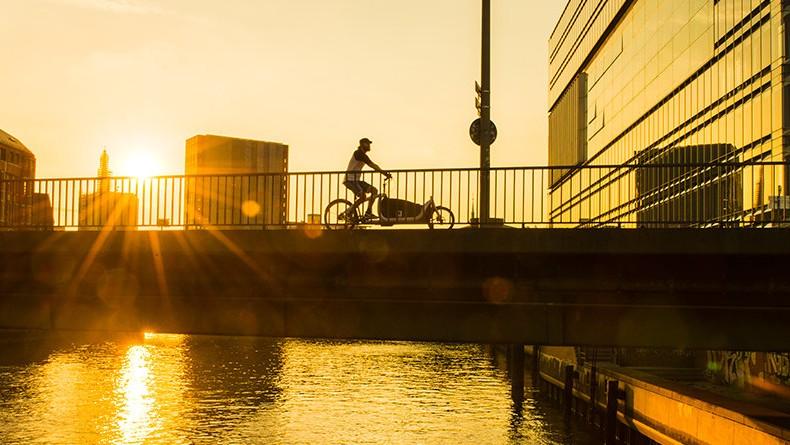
x,y
641,194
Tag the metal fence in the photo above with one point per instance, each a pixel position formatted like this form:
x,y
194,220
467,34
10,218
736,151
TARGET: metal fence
x,y
750,194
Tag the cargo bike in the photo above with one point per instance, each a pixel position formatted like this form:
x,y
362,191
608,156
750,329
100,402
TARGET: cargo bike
x,y
341,213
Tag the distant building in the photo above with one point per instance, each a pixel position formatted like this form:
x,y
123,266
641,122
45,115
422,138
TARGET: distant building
x,y
41,214
245,185
16,163
106,208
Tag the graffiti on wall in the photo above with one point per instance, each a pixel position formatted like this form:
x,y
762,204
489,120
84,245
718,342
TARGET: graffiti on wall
x,y
745,368
778,365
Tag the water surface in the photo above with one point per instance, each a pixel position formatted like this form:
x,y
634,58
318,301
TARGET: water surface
x,y
175,389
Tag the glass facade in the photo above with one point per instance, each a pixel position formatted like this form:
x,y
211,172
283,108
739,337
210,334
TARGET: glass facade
x,y
669,83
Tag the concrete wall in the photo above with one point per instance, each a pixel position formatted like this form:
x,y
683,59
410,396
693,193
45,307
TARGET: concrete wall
x,y
671,413
589,287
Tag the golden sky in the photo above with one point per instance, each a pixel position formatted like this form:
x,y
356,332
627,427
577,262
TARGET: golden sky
x,y
142,76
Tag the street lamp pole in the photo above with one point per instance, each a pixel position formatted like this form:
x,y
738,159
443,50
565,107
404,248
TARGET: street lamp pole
x,y
485,114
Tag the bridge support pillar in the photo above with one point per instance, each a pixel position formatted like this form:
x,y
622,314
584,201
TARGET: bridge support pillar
x,y
517,371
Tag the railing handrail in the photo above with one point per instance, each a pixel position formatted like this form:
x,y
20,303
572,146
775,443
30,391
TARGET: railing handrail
x,y
418,170
703,194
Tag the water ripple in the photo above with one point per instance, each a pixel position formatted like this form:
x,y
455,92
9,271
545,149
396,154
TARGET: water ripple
x,y
171,389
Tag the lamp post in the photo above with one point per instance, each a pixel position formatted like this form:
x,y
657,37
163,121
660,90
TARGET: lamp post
x,y
485,113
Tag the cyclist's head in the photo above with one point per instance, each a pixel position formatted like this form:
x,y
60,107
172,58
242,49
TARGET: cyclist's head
x,y
364,144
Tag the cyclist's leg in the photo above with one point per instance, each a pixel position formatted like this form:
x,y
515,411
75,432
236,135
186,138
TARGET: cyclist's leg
x,y
373,195
359,200
359,194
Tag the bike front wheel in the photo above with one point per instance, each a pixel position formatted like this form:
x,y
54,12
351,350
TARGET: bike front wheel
x,y
340,214
441,218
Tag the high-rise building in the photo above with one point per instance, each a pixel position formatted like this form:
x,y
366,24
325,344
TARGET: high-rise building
x,y
17,163
235,181
638,84
106,208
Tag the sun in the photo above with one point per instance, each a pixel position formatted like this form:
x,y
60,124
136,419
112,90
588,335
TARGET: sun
x,y
140,164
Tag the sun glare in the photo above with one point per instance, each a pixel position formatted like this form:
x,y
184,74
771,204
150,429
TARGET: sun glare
x,y
140,164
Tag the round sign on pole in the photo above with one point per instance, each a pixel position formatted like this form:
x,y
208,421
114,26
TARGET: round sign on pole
x,y
474,131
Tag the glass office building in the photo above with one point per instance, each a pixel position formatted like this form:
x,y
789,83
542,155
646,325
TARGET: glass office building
x,y
643,93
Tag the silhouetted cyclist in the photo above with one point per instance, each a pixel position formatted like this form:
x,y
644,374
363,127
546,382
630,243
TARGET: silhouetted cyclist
x,y
354,180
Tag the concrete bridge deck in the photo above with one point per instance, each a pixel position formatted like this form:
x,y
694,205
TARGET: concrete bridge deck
x,y
716,289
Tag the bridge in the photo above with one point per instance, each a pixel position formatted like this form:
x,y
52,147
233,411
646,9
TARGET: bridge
x,y
713,289
687,255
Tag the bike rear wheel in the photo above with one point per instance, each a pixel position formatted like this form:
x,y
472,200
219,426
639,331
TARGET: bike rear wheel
x,y
340,214
441,218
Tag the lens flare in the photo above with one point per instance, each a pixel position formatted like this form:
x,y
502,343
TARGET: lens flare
x,y
250,209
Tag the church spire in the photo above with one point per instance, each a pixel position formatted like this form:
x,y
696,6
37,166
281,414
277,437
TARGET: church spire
x,y
104,165
104,171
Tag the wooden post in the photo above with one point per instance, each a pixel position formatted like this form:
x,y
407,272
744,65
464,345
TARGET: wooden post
x,y
568,390
593,394
612,396
517,372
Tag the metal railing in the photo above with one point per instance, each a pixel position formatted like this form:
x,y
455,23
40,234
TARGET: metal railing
x,y
747,194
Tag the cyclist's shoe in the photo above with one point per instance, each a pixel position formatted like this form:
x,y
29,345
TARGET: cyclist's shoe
x,y
369,216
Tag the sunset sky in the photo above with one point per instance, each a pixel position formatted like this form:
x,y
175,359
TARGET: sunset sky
x,y
142,76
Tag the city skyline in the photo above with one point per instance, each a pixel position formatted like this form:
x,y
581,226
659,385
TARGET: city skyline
x,y
140,77
612,270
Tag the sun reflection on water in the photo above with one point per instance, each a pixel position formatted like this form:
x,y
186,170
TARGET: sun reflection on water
x,y
149,391
134,418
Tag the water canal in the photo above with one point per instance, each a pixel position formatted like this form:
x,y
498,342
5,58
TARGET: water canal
x,y
176,389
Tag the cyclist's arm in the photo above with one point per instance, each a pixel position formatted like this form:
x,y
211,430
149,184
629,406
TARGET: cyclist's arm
x,y
380,170
373,165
